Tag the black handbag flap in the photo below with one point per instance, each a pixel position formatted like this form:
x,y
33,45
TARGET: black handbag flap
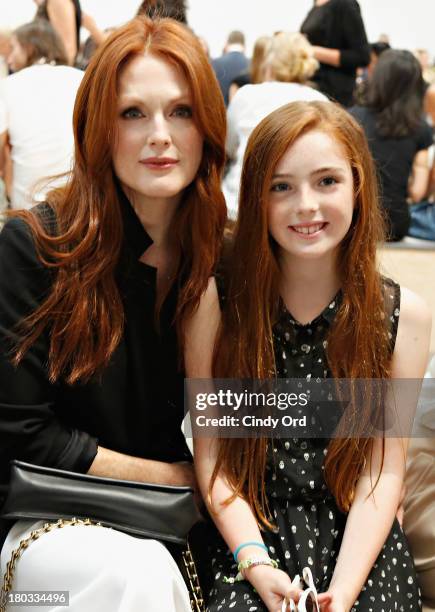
x,y
162,512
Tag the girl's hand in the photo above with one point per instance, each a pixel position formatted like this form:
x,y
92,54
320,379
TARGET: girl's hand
x,y
273,585
331,601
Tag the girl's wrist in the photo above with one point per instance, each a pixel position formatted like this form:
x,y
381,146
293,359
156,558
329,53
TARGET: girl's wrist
x,y
249,552
251,574
343,599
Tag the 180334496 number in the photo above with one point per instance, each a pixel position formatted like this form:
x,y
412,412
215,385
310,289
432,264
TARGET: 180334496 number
x,y
37,598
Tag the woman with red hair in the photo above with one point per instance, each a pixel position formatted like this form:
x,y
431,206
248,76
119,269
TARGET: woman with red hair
x,y
95,288
308,303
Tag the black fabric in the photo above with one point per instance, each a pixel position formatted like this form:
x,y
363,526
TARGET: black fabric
x,y
165,513
136,407
338,25
394,158
242,79
309,526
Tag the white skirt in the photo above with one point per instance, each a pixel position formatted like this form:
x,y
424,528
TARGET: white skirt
x,y
103,570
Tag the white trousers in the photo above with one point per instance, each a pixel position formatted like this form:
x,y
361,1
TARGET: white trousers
x,y
102,569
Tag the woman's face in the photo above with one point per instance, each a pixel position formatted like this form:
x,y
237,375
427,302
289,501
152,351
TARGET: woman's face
x,y
159,147
17,58
311,199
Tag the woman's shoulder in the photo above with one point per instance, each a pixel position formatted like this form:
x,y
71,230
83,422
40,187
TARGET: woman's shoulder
x,y
17,240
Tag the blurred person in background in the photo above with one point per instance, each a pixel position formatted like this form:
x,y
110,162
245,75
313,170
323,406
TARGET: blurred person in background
x,y
429,104
231,63
5,38
66,18
255,73
5,47
288,67
175,9
336,30
36,107
398,135
426,64
364,74
376,50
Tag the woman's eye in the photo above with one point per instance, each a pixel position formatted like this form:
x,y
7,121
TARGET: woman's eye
x,y
185,112
280,187
131,113
327,181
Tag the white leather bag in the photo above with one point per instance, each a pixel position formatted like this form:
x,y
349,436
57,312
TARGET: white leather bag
x,y
309,594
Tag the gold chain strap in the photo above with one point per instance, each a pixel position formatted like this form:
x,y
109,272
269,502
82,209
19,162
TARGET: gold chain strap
x,y
34,535
196,596
196,599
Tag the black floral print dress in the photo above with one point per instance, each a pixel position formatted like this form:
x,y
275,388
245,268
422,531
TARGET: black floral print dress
x,y
309,525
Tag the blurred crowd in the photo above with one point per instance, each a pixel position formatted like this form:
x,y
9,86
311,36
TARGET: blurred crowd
x,y
391,92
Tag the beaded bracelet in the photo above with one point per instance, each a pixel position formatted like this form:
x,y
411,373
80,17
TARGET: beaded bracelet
x,y
246,564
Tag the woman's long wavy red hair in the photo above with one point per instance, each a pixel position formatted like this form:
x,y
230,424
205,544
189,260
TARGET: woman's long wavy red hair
x,y
83,311
358,345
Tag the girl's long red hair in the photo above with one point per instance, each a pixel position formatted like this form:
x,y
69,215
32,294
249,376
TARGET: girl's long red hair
x,y
83,311
358,344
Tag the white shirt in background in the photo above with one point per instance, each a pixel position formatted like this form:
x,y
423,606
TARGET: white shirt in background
x,y
250,105
36,108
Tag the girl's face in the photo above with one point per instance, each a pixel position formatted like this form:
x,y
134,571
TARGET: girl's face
x,y
311,198
17,58
159,146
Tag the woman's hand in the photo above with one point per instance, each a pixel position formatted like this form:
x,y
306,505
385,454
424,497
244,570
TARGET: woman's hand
x,y
187,478
273,585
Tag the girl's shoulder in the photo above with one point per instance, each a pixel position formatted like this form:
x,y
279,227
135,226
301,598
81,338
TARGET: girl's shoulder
x,y
414,310
409,329
411,351
403,301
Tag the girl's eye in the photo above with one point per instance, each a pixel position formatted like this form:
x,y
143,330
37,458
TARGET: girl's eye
x,y
327,181
185,112
280,187
131,113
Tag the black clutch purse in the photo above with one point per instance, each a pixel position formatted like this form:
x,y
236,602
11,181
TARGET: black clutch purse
x,y
162,512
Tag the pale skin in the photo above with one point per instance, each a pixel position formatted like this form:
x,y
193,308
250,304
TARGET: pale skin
x,y
309,279
154,121
419,182
62,17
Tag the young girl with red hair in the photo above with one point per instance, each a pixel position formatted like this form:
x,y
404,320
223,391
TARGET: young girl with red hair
x,y
304,299
95,285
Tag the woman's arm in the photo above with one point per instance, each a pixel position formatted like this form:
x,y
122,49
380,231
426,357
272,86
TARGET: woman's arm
x,y
89,23
61,14
327,56
112,464
419,182
372,515
30,428
235,521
